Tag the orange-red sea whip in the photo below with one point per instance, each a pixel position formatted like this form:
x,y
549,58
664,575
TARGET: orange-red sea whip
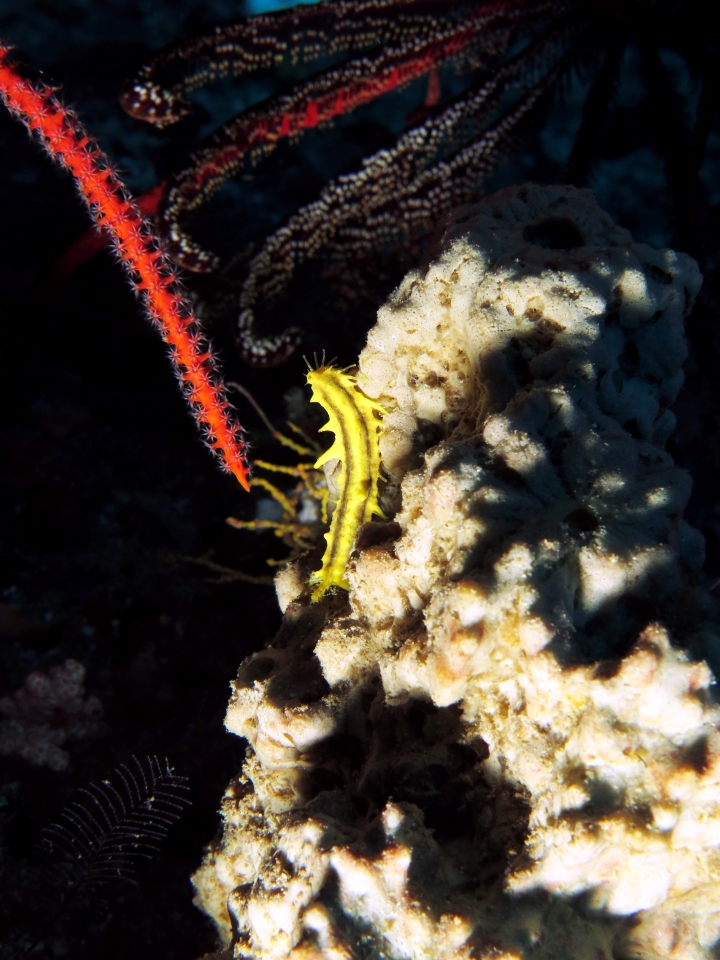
x,y
152,275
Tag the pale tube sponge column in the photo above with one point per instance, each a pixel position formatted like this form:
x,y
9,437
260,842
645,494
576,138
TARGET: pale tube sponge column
x,y
503,740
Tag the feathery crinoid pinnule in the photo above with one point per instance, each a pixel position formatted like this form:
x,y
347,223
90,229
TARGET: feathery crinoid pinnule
x,y
397,194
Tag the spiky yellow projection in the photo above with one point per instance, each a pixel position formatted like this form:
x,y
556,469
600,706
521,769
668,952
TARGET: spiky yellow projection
x,y
354,419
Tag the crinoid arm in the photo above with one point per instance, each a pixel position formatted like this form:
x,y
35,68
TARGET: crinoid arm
x,y
397,195
302,34
388,44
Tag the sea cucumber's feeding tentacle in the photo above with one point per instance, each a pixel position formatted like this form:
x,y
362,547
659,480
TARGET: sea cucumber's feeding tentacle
x,y
398,194
152,275
353,418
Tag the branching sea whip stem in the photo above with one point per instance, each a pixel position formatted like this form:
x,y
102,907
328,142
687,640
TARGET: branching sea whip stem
x,y
153,277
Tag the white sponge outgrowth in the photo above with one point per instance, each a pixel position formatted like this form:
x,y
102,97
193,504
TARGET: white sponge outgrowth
x,y
503,742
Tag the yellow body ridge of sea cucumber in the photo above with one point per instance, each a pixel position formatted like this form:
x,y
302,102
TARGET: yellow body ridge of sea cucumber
x,y
354,421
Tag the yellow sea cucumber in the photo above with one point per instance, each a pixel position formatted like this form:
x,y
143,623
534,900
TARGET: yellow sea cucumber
x,y
354,419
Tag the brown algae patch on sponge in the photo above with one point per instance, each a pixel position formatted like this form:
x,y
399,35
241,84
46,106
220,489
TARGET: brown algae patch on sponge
x,y
504,741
